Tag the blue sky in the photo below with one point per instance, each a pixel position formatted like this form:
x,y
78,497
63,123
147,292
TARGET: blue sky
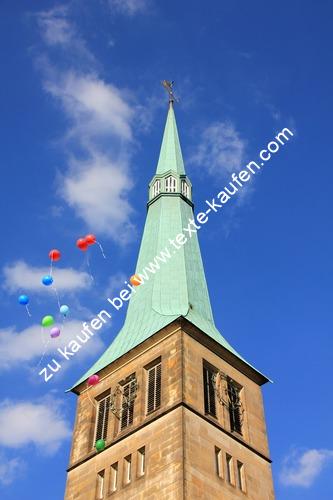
x,y
82,116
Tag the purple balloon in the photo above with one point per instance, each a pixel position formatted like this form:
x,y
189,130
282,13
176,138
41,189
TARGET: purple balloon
x,y
55,332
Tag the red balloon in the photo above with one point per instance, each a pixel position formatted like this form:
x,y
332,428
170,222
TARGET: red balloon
x,y
54,254
93,379
82,244
90,239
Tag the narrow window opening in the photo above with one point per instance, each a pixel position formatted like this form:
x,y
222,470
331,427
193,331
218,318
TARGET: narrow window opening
x,y
185,189
154,387
230,471
141,461
156,188
100,485
209,392
127,469
218,462
170,184
114,477
240,476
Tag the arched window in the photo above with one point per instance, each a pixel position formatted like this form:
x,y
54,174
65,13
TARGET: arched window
x,y
170,184
156,188
185,189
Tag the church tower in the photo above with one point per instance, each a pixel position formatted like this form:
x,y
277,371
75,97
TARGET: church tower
x,y
177,412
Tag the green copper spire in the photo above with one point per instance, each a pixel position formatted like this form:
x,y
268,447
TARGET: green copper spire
x,y
170,155
176,288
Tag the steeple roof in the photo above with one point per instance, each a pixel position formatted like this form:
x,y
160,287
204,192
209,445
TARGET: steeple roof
x,y
178,288
170,155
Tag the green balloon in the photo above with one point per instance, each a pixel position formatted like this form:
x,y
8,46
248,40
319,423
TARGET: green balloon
x,y
47,321
100,445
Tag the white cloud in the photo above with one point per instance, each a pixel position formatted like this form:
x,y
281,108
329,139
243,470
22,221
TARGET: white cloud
x,y
21,276
129,7
220,150
10,469
58,32
303,468
97,190
55,27
99,139
41,423
30,344
93,106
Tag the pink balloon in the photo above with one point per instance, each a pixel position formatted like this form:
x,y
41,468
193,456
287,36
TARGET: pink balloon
x,y
93,380
55,332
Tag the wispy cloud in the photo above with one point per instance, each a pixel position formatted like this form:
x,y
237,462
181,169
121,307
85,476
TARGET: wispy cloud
x,y
41,423
220,149
303,468
28,346
129,7
99,141
19,275
58,32
10,469
115,283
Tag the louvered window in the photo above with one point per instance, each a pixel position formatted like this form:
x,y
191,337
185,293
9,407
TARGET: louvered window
x,y
127,405
156,188
170,184
154,387
209,392
235,411
102,418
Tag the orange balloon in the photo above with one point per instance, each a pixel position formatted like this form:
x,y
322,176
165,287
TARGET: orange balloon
x,y
54,254
135,280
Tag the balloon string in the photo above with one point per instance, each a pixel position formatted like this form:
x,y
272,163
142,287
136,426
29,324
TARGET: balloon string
x,y
57,295
51,267
29,313
89,268
42,357
101,248
94,405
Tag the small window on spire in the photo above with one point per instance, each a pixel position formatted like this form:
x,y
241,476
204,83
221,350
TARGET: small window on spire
x,y
156,188
185,189
170,184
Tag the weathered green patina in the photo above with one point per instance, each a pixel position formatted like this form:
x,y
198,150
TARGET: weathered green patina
x,y
178,288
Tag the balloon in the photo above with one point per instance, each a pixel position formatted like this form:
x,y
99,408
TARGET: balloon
x,y
55,332
47,321
90,239
82,244
47,280
100,445
64,309
54,255
93,380
135,280
23,299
